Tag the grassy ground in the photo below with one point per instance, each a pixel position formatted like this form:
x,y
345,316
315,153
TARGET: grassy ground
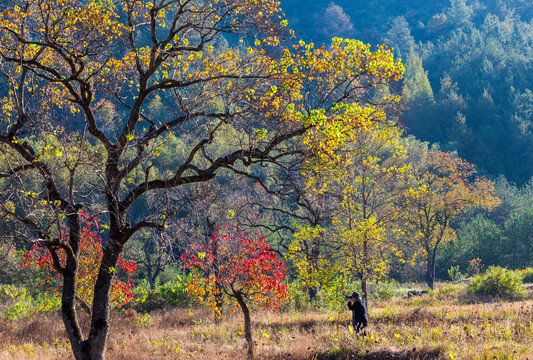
x,y
441,325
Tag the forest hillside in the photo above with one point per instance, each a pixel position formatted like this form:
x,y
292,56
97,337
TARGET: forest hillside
x,y
469,64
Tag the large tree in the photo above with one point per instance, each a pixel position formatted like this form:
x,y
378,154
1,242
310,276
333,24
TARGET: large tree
x,y
78,129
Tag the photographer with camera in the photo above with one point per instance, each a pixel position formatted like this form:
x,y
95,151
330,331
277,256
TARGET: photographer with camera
x,y
359,315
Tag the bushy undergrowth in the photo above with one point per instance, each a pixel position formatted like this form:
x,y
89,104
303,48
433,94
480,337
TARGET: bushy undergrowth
x,y
498,282
332,297
171,294
299,294
176,293
447,291
527,275
455,274
17,303
384,291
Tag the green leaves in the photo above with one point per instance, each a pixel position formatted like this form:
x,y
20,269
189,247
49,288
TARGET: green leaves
x,y
260,133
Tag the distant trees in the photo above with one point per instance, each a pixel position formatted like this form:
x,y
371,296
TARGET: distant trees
x,y
364,198
475,112
369,189
417,91
381,192
399,36
519,237
153,251
498,237
459,13
301,219
418,98
334,21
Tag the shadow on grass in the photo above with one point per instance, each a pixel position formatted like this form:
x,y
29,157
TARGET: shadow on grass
x,y
414,354
345,354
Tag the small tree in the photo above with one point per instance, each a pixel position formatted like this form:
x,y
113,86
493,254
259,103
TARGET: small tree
x,y
53,259
443,187
367,186
242,268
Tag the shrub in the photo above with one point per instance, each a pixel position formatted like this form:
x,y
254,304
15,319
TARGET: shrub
x,y
454,274
384,291
474,267
176,293
497,282
11,293
527,275
13,300
17,303
299,295
171,294
333,296
447,291
144,320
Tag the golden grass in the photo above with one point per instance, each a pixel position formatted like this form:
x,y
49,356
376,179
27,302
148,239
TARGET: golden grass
x,y
429,327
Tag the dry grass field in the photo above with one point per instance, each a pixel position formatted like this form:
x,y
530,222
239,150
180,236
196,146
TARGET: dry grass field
x,y
441,325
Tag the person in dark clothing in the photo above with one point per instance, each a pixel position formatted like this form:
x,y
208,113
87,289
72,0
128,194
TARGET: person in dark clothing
x,y
359,316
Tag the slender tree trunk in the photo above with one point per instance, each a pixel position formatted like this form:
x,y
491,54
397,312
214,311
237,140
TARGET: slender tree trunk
x,y
430,274
247,324
219,293
364,278
364,289
528,252
150,276
151,282
151,279
315,255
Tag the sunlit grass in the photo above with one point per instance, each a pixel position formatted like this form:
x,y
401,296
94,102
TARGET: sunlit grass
x,y
439,325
